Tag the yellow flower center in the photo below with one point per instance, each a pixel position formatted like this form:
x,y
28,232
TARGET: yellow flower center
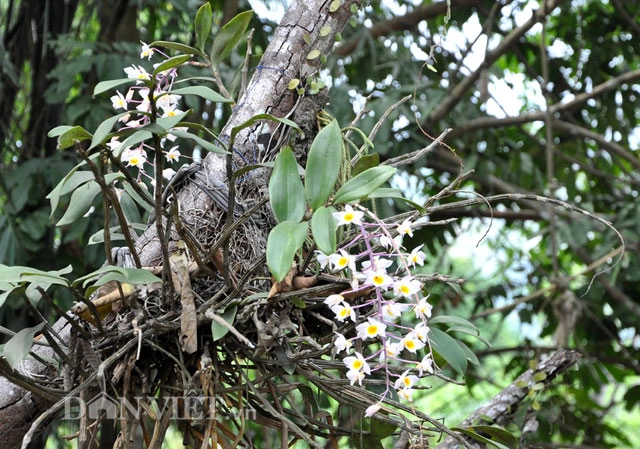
x,y
357,364
410,344
378,280
372,329
343,261
348,216
404,289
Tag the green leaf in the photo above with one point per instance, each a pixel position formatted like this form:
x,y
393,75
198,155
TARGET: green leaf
x,y
323,228
199,140
178,47
286,192
204,22
104,129
58,130
81,200
325,30
365,162
381,429
384,192
218,330
18,346
539,377
46,278
104,86
171,63
228,37
135,138
500,438
54,195
129,208
11,276
144,201
309,397
107,273
298,302
167,123
457,324
447,348
4,295
471,357
71,136
283,243
313,54
257,118
66,185
360,186
371,442
115,233
202,91
323,165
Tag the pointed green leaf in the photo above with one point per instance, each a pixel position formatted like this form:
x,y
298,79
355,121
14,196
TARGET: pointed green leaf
x,y
323,228
104,86
286,192
58,130
202,91
81,200
170,63
18,347
199,140
167,123
283,243
10,276
142,199
365,162
135,138
323,165
471,357
204,22
129,208
257,118
108,273
46,278
228,37
104,129
56,193
447,348
457,324
71,136
498,435
384,192
218,330
72,182
178,47
360,186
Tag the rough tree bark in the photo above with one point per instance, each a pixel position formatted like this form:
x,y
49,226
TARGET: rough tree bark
x,y
504,406
284,59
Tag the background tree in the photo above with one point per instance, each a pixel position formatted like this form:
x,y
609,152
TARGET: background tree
x,y
541,100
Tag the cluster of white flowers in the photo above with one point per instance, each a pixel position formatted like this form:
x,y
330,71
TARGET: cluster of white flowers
x,y
138,101
386,334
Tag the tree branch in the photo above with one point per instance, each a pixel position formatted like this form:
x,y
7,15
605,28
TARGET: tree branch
x,y
495,122
503,407
457,94
406,22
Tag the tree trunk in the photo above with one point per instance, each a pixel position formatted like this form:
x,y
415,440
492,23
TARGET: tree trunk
x,y
284,59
